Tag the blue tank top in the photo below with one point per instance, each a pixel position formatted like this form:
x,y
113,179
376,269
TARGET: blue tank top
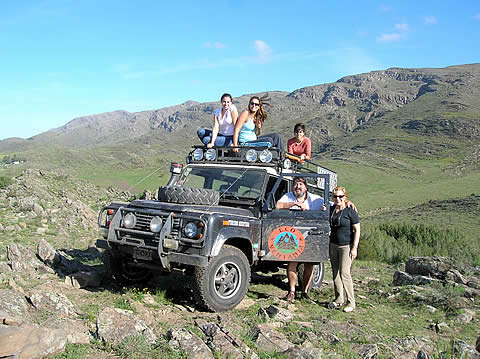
x,y
247,132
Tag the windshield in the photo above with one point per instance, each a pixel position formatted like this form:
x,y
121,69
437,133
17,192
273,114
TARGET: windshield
x,y
241,182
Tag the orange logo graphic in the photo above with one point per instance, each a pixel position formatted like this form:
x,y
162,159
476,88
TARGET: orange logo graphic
x,y
286,243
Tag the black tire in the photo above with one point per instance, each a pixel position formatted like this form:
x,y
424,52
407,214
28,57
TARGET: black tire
x,y
224,282
117,270
186,195
318,273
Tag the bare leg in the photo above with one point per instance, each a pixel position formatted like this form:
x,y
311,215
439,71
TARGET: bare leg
x,y
307,276
292,275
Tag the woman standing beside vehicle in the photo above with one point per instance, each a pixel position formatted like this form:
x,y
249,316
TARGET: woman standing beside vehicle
x,y
344,238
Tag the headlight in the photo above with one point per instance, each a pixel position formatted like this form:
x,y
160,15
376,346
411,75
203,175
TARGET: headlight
x,y
266,156
130,220
198,154
211,154
190,230
287,163
156,224
251,155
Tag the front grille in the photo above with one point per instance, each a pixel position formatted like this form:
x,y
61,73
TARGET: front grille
x,y
144,219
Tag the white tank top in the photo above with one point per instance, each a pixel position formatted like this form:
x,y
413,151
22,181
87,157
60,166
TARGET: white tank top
x,y
226,121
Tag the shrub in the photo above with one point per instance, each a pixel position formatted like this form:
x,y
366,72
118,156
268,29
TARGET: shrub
x,y
5,182
396,242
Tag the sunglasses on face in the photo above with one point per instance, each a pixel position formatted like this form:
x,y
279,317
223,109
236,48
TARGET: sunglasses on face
x,y
338,196
300,131
254,104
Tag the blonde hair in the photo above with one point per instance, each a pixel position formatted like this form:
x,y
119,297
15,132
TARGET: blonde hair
x,y
341,188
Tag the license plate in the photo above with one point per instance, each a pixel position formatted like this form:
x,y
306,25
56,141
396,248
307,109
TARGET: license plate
x,y
142,253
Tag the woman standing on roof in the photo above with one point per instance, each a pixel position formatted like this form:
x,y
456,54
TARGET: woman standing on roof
x,y
300,145
224,120
249,126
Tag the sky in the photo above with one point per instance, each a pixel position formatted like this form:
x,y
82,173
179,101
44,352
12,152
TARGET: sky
x,y
63,59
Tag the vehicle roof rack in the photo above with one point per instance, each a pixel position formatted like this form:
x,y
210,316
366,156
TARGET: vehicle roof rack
x,y
259,155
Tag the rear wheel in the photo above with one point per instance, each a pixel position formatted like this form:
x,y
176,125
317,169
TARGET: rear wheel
x,y
118,270
224,282
318,273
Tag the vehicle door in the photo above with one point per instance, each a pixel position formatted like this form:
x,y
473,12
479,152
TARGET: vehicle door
x,y
295,235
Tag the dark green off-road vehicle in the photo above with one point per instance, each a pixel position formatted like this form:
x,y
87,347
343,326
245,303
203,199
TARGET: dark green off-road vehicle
x,y
216,222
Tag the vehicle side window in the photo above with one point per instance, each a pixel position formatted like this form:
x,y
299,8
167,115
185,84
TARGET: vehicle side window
x,y
281,190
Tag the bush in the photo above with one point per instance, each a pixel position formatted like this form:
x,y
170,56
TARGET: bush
x,y
5,182
396,242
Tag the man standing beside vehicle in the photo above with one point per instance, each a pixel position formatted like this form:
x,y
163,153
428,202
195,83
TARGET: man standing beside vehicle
x,y
300,199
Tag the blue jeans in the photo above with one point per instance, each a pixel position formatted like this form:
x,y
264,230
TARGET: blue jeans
x,y
206,136
273,138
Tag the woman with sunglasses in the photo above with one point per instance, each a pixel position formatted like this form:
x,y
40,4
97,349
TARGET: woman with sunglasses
x,y
224,120
249,126
344,238
300,145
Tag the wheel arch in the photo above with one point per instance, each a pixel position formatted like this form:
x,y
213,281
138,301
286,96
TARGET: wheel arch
x,y
243,244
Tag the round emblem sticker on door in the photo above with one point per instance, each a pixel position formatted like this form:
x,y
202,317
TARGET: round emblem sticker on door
x,y
286,243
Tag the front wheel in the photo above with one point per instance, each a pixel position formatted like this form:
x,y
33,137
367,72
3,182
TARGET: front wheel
x,y
224,282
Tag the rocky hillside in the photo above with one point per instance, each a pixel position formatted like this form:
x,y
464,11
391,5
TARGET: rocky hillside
x,y
422,101
54,297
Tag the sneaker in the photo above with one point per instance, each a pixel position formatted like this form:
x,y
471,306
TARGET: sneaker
x,y
290,297
348,309
334,305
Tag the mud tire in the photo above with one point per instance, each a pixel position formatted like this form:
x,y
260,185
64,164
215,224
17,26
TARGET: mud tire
x,y
186,195
224,282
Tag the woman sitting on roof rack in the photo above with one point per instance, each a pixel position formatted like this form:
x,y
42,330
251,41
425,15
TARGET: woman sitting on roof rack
x,y
300,145
249,127
224,120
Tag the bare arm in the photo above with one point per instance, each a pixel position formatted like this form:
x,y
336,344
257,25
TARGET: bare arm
x,y
288,205
238,126
308,150
215,129
356,240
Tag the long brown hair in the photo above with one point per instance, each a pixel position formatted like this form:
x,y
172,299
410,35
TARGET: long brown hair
x,y
261,114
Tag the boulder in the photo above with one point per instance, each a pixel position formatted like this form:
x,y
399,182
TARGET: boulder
x,y
83,279
402,278
429,266
268,339
279,314
13,304
21,259
367,351
53,302
190,343
115,325
30,342
45,252
223,341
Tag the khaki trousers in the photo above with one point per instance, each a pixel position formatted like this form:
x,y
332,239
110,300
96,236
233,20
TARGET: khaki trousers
x,y
342,278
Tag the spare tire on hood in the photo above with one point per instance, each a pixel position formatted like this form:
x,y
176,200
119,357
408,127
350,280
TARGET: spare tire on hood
x,y
186,195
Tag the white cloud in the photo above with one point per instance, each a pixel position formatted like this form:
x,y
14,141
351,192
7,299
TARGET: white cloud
x,y
401,27
386,38
263,51
430,20
385,8
214,45
477,17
